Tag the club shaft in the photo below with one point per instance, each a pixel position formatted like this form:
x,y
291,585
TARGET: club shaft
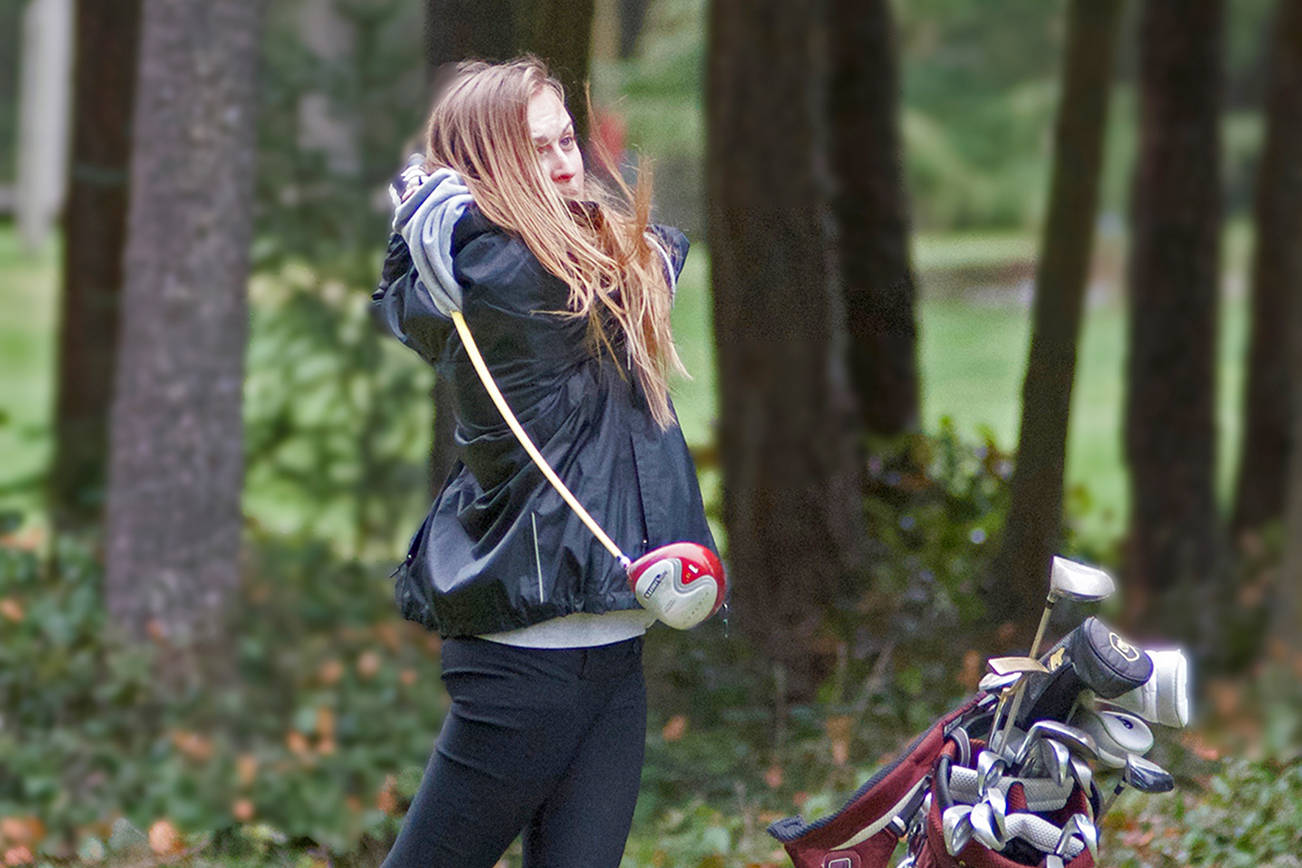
x,y
1020,690
472,350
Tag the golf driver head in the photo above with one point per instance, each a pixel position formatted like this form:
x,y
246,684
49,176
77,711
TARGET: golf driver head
x,y
681,583
1164,698
1117,734
1073,580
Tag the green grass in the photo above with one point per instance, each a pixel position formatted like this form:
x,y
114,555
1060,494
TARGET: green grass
x,y
29,292
972,351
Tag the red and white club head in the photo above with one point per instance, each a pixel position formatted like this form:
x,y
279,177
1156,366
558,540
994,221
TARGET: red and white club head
x,y
681,583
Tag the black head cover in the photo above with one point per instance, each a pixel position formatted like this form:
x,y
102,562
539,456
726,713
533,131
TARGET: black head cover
x,y
1093,657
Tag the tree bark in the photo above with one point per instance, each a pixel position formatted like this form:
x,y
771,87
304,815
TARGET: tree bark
x,y
176,439
1174,546
787,431
560,32
1276,280
872,214
1033,528
95,228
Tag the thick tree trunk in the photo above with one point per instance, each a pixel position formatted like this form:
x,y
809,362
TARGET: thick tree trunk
x,y
1174,561
95,228
1033,528
176,463
560,32
787,422
1276,283
872,214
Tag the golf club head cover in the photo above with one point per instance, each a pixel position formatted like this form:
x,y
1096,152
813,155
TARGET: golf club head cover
x,y
1094,657
1164,698
682,583
867,828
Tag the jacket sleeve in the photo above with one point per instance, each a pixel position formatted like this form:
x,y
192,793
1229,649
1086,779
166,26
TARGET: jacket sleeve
x,y
403,304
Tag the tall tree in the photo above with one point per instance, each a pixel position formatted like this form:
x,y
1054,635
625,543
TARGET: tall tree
x,y
872,213
176,439
1033,528
95,228
1174,548
1276,281
787,427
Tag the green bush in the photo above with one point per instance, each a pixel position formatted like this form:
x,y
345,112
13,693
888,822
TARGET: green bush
x,y
315,736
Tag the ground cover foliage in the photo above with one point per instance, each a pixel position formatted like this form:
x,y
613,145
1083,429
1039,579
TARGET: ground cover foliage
x,y
303,745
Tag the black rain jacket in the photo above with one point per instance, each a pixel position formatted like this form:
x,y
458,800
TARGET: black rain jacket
x,y
499,548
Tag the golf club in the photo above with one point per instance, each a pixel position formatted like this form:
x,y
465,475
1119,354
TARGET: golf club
x,y
1073,738
1072,580
1142,775
1117,734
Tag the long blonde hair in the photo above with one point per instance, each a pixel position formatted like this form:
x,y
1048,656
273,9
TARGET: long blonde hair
x,y
602,251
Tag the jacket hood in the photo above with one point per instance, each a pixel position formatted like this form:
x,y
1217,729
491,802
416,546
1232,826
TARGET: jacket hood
x,y
425,221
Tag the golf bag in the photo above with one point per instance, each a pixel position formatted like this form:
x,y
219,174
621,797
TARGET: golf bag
x,y
987,787
909,796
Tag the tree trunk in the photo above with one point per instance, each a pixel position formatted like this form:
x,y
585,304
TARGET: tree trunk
x,y
176,463
1033,528
560,32
95,228
1174,551
1276,279
787,422
872,214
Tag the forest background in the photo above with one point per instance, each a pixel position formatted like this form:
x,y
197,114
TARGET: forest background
x,y
199,658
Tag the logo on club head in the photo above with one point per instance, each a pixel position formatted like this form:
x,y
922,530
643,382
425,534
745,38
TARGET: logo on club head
x,y
1124,648
1055,660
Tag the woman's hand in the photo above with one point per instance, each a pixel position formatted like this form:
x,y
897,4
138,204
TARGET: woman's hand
x,y
408,181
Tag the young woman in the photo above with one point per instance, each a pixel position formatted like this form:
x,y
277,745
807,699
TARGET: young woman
x,y
566,290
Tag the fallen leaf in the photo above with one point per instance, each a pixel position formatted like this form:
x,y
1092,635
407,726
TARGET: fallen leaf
x,y
675,728
11,609
164,839
297,743
246,768
368,664
18,856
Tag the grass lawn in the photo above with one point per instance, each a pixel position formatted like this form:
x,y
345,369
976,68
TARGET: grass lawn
x,y
972,350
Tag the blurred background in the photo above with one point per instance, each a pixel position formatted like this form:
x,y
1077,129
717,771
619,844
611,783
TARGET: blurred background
x,y
973,282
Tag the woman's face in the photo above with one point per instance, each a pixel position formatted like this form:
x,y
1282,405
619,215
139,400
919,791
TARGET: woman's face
x,y
553,140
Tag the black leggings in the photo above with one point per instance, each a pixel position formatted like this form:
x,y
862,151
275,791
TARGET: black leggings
x,y
540,741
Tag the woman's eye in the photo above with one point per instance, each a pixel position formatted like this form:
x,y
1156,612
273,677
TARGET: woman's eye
x,y
567,142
